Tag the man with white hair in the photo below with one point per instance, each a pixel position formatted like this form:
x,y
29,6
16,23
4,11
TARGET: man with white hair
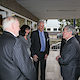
x,y
15,63
40,48
11,24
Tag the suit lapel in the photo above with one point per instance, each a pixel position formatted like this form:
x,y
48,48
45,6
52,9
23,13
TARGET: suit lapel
x,y
38,38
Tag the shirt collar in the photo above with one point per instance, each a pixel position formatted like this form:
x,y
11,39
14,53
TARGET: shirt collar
x,y
12,33
69,38
40,31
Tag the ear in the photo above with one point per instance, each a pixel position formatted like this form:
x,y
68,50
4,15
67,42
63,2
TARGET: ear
x,y
71,32
13,26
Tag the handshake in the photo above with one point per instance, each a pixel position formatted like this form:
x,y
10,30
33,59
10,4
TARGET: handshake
x,y
58,57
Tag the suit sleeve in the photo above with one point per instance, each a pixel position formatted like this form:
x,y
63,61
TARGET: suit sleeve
x,y
33,44
47,44
23,61
69,54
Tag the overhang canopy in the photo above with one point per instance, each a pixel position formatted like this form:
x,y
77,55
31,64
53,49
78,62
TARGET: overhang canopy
x,y
50,9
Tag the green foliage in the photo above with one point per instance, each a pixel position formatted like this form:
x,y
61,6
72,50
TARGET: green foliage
x,y
44,29
64,22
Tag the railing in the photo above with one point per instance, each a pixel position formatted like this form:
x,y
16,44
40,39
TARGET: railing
x,y
55,46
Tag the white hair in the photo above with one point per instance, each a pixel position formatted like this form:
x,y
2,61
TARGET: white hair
x,y
38,23
71,28
7,22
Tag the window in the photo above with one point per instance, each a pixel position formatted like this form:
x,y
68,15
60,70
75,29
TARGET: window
x,y
48,29
55,29
59,29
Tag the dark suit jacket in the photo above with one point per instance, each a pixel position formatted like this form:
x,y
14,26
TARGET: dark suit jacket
x,y
77,37
69,60
63,42
15,62
36,45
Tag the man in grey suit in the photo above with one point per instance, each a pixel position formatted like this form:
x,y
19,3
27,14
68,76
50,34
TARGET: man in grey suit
x,y
15,62
70,55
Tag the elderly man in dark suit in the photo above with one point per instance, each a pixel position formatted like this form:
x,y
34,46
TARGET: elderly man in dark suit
x,y
40,48
70,55
15,62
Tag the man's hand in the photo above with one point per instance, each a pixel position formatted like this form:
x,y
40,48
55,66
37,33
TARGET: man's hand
x,y
46,56
35,58
58,57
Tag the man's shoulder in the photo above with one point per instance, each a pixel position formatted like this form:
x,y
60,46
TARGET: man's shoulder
x,y
45,32
19,42
35,31
7,37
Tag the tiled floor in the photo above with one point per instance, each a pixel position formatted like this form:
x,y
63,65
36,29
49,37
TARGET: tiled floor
x,y
52,67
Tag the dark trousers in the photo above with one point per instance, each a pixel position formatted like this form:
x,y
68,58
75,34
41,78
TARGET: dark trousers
x,y
42,68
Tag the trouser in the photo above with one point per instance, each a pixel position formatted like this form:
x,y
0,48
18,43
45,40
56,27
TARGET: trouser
x,y
42,68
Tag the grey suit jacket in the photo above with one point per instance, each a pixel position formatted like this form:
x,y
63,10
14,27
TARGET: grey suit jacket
x,y
15,62
69,60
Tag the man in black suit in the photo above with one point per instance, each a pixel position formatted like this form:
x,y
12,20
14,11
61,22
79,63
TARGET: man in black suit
x,y
40,48
15,62
70,55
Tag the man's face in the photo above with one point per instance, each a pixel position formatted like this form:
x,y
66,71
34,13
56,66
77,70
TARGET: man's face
x,y
16,28
66,34
41,26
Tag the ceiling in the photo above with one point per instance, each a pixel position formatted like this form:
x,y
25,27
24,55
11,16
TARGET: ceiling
x,y
52,9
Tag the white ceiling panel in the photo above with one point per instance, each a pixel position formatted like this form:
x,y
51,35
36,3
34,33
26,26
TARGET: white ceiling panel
x,y
50,9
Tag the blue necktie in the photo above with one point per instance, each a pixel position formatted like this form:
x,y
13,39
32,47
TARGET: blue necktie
x,y
42,42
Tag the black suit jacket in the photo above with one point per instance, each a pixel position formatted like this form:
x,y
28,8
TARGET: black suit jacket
x,y
15,62
36,45
70,57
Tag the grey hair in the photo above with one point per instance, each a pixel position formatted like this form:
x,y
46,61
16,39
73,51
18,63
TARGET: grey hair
x,y
71,28
7,21
38,23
